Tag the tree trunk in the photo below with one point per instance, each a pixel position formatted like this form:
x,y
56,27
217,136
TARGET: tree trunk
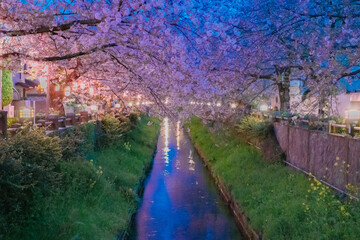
x,y
283,79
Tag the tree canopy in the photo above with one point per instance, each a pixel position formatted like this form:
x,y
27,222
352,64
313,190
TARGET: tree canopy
x,y
211,52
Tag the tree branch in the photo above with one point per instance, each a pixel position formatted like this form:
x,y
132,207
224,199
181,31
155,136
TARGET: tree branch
x,y
59,58
49,29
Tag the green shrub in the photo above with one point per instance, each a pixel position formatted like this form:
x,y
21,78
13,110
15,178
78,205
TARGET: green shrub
x,y
113,129
134,117
27,170
77,142
50,191
254,127
11,121
7,87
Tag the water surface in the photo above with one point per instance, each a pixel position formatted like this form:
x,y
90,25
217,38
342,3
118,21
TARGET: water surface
x,y
181,200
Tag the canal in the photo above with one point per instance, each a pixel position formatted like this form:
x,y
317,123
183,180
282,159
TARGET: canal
x,y
181,201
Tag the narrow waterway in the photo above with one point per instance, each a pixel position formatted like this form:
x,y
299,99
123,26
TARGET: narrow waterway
x,y
181,201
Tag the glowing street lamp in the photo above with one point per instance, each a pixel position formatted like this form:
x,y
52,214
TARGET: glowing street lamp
x,y
67,91
263,108
91,91
94,107
218,104
130,104
75,85
233,105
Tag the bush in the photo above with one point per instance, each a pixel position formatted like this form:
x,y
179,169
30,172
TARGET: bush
x,y
113,129
27,170
77,142
260,133
134,117
254,127
11,121
45,180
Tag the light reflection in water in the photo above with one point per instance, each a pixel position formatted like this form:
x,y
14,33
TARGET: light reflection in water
x,y
178,135
181,200
191,162
166,148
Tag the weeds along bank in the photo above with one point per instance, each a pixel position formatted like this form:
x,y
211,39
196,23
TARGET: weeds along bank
x,y
279,202
77,184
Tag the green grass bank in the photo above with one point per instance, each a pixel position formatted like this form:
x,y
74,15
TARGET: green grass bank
x,y
94,194
279,202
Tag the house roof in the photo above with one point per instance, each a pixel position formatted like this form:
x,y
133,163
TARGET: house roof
x,y
21,84
32,83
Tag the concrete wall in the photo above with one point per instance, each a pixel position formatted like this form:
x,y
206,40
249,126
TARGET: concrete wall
x,y
332,158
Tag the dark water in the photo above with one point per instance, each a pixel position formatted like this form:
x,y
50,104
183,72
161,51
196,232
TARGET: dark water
x,y
180,199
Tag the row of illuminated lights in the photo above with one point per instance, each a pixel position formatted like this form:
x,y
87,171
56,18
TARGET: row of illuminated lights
x,y
232,105
131,104
68,89
75,86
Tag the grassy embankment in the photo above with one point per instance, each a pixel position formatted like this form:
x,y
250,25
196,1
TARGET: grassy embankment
x,y
279,202
95,197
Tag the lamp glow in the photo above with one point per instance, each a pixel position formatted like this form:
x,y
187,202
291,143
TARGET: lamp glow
x,y
26,113
263,107
93,107
67,91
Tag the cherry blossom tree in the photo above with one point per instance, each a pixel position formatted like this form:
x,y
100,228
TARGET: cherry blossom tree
x,y
187,56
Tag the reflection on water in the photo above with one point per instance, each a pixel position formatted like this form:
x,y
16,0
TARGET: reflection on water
x,y
166,142
180,199
178,135
191,162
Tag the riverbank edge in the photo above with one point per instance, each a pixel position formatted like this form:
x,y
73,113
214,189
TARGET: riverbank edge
x,y
241,219
130,232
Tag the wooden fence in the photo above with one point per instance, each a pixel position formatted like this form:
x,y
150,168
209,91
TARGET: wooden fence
x,y
333,158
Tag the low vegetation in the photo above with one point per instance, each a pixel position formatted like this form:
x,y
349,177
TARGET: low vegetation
x,y
279,202
58,187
